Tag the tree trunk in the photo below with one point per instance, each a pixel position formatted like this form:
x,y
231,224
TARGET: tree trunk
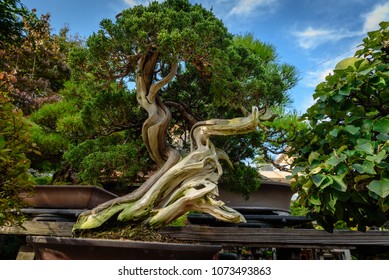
x,y
178,186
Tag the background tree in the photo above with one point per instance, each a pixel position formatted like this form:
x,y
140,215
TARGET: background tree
x,y
175,49
32,69
33,61
14,143
341,168
11,25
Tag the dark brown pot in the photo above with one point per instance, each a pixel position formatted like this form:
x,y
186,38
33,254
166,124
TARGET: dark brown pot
x,y
67,196
274,196
63,248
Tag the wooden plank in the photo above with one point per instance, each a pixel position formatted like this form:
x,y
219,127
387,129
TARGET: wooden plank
x,y
40,228
277,237
233,236
25,253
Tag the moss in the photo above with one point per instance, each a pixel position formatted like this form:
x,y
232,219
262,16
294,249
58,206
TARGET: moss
x,y
131,232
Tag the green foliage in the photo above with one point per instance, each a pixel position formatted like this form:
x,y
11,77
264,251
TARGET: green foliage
x,y
108,160
112,110
50,143
49,115
14,143
32,61
11,25
341,160
298,210
42,180
241,179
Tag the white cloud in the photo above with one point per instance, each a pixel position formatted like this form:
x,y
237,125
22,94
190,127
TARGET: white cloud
x,y
313,78
132,3
246,7
322,68
311,37
306,103
373,18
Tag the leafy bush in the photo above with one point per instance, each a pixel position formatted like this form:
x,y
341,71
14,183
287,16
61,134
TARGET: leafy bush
x,y
14,143
341,169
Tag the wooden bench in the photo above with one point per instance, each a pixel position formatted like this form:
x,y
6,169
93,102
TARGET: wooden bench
x,y
226,236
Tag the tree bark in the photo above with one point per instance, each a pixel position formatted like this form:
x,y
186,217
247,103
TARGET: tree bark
x,y
189,184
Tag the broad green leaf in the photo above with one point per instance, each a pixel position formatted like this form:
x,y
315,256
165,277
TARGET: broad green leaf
x,y
383,137
384,24
361,177
351,129
380,187
338,98
384,204
315,200
382,126
307,186
331,203
366,148
341,149
315,170
333,161
366,167
366,125
334,132
342,169
345,91
378,157
327,182
318,179
313,156
297,169
339,184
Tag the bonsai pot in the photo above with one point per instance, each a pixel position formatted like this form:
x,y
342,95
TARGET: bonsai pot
x,y
268,207
67,196
62,203
272,196
63,248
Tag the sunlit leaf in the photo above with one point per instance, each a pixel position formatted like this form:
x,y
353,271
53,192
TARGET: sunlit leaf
x,y
378,157
339,184
333,161
351,129
380,187
313,156
366,148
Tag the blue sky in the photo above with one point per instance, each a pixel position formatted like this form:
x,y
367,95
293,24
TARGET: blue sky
x,y
311,35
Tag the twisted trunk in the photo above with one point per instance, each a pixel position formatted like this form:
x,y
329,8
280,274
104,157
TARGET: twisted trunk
x,y
179,185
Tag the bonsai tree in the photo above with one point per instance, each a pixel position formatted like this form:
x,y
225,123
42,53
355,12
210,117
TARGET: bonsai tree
x,y
341,169
178,49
